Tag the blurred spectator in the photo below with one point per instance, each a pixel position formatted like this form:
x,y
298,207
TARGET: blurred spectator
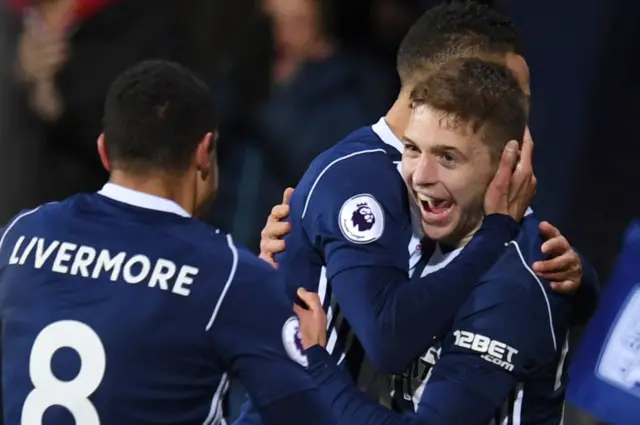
x,y
287,94
59,58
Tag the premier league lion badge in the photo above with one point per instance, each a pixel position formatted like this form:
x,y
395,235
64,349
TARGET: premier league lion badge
x,y
292,342
361,219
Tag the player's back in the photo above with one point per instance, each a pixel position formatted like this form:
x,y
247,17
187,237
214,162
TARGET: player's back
x,y
105,308
332,211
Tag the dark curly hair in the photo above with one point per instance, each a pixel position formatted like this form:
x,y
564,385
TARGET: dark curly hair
x,y
155,114
453,30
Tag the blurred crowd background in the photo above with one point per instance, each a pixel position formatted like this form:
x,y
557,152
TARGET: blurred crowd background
x,y
292,77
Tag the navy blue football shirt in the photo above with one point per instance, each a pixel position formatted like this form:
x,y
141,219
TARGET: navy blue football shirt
x,y
119,308
502,360
353,242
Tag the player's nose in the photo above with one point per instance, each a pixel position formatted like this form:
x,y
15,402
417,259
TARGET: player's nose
x,y
426,172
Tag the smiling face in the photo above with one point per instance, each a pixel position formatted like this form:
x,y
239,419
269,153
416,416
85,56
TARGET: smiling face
x,y
462,116
447,169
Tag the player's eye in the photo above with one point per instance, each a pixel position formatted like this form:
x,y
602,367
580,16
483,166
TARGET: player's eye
x,y
448,157
410,148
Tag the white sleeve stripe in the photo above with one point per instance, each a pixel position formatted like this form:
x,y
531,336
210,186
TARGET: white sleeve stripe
x,y
232,274
335,161
215,412
517,405
14,222
544,293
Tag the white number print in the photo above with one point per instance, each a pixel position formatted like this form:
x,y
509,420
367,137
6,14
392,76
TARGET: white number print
x,y
50,391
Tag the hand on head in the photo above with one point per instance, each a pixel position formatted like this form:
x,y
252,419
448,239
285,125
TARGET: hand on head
x,y
514,184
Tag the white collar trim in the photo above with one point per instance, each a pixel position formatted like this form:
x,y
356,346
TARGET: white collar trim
x,y
141,199
382,129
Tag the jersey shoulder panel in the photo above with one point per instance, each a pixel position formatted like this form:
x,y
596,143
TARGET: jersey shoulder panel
x,y
513,283
353,203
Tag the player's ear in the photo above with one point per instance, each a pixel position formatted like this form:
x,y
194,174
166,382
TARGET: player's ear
x,y
102,151
203,154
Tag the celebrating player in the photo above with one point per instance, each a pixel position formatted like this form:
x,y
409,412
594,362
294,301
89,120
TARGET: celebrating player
x,y
120,308
349,219
506,345
326,245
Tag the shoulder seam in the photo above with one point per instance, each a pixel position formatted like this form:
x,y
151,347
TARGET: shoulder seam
x,y
16,220
544,293
232,274
331,164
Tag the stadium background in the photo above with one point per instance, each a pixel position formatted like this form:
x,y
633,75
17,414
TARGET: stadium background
x,y
275,116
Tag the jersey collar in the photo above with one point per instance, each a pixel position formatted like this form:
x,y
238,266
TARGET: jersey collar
x,y
382,129
141,199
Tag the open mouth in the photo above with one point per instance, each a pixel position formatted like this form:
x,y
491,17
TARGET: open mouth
x,y
435,209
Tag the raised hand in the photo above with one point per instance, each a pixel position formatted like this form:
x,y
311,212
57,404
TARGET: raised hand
x,y
514,185
271,242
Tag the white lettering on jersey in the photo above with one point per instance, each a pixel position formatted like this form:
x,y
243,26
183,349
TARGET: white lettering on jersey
x,y
89,262
361,219
493,351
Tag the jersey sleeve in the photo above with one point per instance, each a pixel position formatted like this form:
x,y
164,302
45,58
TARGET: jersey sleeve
x,y
357,214
500,336
387,311
347,404
586,299
256,338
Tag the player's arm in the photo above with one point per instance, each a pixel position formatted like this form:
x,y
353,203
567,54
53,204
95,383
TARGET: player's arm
x,y
341,396
255,340
367,263
481,361
346,402
500,336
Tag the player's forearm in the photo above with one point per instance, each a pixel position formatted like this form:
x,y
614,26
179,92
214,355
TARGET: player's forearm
x,y
348,405
396,320
586,299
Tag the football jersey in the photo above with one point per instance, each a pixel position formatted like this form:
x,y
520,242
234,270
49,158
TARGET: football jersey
x,y
336,227
119,308
516,325
605,372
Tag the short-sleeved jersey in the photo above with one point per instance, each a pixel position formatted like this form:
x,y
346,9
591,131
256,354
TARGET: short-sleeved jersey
x,y
350,209
118,308
515,324
605,372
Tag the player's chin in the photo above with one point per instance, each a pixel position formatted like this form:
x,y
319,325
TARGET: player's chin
x,y
441,228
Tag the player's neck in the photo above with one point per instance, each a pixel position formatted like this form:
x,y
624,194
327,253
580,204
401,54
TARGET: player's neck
x,y
397,117
467,238
160,185
462,237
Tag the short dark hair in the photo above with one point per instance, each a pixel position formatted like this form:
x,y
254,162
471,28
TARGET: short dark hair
x,y
453,30
155,114
483,96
